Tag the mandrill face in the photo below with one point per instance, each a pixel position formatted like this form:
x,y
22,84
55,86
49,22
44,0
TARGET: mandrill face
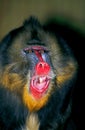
x,y
40,70
35,65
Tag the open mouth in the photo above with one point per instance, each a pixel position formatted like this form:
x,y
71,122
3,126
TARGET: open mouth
x,y
39,85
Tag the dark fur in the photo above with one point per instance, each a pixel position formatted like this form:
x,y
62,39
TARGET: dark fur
x,y
75,39
56,114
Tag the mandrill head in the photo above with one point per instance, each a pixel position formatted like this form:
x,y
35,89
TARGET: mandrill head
x,y
35,65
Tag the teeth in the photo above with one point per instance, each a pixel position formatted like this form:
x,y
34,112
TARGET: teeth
x,y
41,79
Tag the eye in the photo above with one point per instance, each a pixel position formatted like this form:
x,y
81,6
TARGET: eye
x,y
42,51
33,49
28,51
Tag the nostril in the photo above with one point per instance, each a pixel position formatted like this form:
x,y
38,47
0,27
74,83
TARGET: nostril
x,y
40,65
42,68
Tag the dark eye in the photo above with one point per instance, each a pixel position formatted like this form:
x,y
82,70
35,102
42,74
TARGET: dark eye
x,y
33,49
42,51
28,51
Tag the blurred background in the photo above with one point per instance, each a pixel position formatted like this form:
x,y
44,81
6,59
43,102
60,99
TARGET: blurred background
x,y
14,12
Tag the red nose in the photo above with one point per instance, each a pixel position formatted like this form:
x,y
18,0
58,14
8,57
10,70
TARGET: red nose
x,y
42,68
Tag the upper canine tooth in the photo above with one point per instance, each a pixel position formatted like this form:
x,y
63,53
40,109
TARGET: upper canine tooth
x,y
40,80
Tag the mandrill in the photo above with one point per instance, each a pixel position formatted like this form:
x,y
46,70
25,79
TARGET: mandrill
x,y
38,71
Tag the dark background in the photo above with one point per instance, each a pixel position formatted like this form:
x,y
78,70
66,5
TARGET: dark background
x,y
13,12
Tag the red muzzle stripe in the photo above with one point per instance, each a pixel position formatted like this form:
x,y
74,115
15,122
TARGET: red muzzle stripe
x,y
42,67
